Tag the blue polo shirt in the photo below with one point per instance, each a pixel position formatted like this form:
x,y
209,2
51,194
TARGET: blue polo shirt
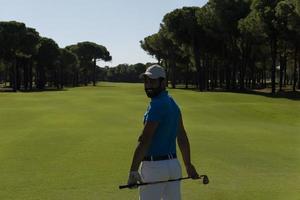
x,y
164,110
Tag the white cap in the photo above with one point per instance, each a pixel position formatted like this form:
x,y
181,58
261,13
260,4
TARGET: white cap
x,y
155,72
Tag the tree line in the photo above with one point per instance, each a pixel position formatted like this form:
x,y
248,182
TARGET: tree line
x,y
29,61
241,44
234,45
123,73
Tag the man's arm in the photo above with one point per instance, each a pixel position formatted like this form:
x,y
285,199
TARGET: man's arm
x,y
184,145
144,142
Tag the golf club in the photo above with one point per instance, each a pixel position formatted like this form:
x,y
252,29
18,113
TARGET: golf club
x,y
204,177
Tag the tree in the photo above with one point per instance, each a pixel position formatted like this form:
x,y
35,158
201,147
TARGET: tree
x,y
212,43
12,34
182,26
153,44
47,61
294,38
286,15
166,51
228,14
100,53
250,42
124,72
28,52
88,53
69,64
266,11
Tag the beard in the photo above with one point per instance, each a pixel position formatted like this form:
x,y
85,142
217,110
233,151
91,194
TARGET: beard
x,y
153,92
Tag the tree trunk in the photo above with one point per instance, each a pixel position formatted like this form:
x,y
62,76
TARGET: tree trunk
x,y
57,77
222,75
25,75
233,79
227,74
252,74
196,54
299,75
265,73
6,75
94,73
173,73
295,69
74,77
30,75
17,78
187,76
62,77
242,75
241,66
85,77
167,72
281,71
298,72
285,76
14,75
207,72
217,67
274,58
42,80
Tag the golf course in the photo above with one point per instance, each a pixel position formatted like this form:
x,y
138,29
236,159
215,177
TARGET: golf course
x,y
77,144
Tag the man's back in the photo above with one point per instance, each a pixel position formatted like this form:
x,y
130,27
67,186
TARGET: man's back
x,y
164,110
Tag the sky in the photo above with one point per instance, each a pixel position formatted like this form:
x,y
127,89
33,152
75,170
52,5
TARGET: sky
x,y
119,25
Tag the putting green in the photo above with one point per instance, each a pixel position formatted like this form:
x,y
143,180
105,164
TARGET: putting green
x,y
78,144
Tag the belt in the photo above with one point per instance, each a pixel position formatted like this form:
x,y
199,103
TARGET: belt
x,y
157,158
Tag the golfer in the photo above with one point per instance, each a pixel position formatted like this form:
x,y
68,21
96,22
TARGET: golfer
x,y
155,157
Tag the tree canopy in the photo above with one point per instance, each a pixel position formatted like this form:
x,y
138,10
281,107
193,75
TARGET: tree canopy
x,y
232,44
29,60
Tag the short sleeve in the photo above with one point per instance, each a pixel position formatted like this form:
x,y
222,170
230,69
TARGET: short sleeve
x,y
155,112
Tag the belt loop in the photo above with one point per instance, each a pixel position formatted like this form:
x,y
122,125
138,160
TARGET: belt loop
x,y
171,155
151,157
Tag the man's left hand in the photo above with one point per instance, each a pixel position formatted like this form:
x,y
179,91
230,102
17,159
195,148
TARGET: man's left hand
x,y
134,178
192,172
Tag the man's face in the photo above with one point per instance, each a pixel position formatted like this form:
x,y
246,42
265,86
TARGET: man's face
x,y
151,83
152,86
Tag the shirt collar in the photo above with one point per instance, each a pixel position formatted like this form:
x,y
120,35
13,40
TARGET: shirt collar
x,y
161,94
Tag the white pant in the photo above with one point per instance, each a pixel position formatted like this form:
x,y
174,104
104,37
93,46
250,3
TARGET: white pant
x,y
160,171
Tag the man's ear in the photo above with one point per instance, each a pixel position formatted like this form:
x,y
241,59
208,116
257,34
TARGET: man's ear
x,y
163,83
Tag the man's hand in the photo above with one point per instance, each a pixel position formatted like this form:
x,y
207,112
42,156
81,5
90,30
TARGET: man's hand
x,y
191,171
133,179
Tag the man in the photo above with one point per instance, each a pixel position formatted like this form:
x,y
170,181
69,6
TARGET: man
x,y
156,150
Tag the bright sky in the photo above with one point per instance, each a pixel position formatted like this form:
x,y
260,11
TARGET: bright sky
x,y
119,25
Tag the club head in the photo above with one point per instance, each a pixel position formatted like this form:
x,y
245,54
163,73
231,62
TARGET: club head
x,y
204,179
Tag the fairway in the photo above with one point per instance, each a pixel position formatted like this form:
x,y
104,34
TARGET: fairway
x,y
77,144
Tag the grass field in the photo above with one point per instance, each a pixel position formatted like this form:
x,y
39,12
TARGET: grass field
x,y
78,144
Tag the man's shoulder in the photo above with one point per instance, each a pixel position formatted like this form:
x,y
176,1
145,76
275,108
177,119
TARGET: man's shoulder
x,y
157,103
166,102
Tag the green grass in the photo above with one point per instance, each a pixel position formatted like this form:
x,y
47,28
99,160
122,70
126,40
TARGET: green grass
x,y
78,144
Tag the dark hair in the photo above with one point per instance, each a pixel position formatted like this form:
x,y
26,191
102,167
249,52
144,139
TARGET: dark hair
x,y
161,79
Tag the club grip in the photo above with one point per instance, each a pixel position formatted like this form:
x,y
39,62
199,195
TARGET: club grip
x,y
123,186
128,186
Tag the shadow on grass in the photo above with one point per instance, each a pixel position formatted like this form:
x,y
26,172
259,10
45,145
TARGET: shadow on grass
x,y
104,86
52,89
263,92
10,90
279,94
